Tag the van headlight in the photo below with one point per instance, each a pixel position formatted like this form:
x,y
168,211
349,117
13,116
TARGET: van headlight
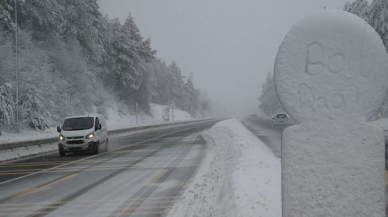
x,y
89,136
61,138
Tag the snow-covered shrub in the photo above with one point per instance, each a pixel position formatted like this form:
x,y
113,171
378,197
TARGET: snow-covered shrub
x,y
6,105
33,111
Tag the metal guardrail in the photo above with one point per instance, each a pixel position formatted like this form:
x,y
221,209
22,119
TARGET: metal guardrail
x,y
20,144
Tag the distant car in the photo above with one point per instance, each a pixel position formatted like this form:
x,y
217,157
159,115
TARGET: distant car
x,y
83,134
280,119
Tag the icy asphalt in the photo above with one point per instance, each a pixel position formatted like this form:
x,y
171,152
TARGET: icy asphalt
x,y
140,175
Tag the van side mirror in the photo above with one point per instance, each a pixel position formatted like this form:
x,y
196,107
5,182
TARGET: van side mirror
x,y
98,127
59,129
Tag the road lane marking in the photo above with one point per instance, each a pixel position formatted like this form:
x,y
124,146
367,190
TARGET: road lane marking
x,y
93,156
41,188
28,192
151,199
105,168
32,164
141,192
87,162
47,210
181,152
122,214
156,177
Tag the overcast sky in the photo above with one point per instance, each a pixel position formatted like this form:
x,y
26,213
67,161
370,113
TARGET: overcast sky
x,y
229,45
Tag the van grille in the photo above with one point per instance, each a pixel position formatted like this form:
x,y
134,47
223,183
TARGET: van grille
x,y
77,137
75,142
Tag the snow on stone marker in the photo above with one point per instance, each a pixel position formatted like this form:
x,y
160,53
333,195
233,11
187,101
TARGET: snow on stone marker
x,y
331,75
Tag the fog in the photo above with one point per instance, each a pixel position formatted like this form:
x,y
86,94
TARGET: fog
x,y
229,45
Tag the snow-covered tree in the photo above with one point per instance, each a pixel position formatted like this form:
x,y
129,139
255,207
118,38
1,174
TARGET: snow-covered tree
x,y
6,10
190,96
378,19
7,57
376,14
33,110
359,8
269,102
69,52
166,115
6,105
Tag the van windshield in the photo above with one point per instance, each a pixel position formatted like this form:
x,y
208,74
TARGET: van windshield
x,y
281,116
84,123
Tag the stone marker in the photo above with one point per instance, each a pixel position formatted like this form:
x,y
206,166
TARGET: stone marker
x,y
331,75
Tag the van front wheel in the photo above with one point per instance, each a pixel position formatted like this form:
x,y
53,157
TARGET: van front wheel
x,y
62,153
106,144
97,148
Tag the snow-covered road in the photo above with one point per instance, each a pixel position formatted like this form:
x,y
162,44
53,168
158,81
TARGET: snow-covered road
x,y
140,175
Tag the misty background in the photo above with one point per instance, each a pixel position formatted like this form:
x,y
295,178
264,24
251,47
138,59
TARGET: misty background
x,y
228,45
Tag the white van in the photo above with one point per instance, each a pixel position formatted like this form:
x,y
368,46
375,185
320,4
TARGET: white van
x,y
83,134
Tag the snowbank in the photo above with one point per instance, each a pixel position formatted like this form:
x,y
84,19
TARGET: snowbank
x,y
12,154
239,176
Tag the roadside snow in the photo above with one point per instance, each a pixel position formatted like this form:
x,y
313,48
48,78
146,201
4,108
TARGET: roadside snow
x,y
27,134
115,120
239,176
16,153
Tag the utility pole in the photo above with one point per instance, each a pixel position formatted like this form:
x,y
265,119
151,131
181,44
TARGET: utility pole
x,y
17,66
71,108
136,115
172,113
172,105
162,111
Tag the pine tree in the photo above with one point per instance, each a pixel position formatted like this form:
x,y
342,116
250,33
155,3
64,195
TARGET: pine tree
x,y
359,8
190,96
269,102
378,19
5,14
